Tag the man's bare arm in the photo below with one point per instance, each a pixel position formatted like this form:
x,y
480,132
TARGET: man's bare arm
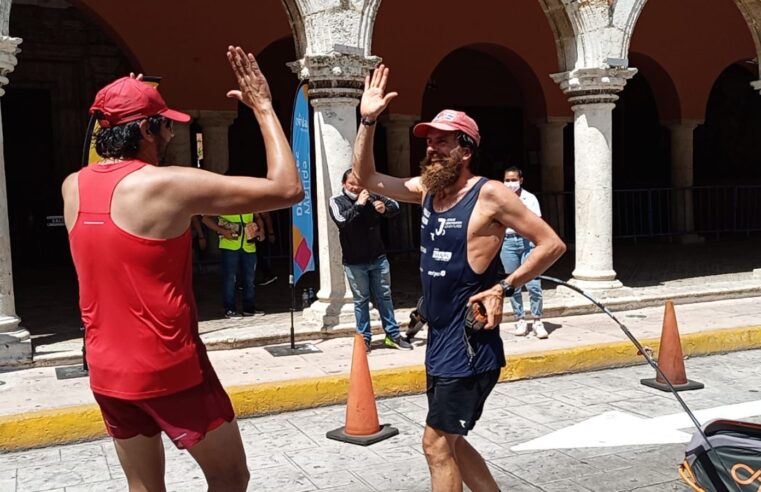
x,y
374,102
203,192
510,212
505,208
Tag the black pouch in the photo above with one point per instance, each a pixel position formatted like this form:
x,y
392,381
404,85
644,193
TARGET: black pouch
x,y
472,324
417,320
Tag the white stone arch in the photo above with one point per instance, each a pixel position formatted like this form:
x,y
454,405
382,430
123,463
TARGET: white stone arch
x,y
592,33
322,27
624,15
564,32
626,12
751,12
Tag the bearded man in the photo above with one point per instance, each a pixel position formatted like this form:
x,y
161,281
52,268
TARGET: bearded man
x,y
462,226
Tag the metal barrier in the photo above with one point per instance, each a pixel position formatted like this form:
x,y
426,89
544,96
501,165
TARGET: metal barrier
x,y
657,212
637,213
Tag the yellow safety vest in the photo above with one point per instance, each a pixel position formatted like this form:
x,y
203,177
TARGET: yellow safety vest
x,y
236,224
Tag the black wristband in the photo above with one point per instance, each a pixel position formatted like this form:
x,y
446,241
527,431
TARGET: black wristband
x,y
507,289
367,121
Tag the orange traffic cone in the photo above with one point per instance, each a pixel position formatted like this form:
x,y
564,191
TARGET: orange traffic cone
x,y
362,425
670,357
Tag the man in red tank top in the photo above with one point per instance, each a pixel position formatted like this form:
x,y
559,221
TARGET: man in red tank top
x,y
129,231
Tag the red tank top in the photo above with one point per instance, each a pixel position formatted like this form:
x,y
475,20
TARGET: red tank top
x,y
136,298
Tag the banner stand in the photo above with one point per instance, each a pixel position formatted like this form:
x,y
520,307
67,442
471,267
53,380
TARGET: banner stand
x,y
302,258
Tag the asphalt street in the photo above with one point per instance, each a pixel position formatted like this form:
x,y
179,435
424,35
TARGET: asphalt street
x,y
599,431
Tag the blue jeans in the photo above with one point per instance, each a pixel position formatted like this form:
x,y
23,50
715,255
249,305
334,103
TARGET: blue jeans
x,y
515,250
372,279
231,261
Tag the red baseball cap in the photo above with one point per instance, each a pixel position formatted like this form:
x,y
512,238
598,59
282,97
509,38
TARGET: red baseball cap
x,y
127,99
450,120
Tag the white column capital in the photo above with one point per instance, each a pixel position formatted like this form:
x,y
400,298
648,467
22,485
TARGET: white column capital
x,y
682,125
398,120
756,85
334,75
215,126
8,51
552,121
324,103
593,85
208,119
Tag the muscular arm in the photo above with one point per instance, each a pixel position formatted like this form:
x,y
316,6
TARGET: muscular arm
x,y
203,192
374,102
504,209
408,190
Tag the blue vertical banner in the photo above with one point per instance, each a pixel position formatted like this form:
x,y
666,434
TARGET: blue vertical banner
x,y
301,214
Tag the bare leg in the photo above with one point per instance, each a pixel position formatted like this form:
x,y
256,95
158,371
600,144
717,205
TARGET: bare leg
x,y
439,452
142,459
223,459
475,473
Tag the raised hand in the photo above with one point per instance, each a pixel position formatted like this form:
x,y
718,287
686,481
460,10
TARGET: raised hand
x,y
254,91
375,99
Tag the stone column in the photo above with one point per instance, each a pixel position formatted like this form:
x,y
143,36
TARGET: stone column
x,y
682,215
398,128
15,343
216,150
551,157
592,94
178,152
335,86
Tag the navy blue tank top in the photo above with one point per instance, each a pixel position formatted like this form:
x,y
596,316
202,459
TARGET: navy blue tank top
x,y
448,282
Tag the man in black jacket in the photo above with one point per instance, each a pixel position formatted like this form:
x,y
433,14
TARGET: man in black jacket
x,y
357,214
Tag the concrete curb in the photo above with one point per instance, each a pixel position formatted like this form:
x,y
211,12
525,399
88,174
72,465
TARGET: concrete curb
x,y
81,423
571,304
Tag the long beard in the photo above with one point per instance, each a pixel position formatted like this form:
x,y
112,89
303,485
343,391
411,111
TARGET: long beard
x,y
439,173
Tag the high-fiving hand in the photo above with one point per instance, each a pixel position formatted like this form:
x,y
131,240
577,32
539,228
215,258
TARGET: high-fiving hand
x,y
254,91
374,99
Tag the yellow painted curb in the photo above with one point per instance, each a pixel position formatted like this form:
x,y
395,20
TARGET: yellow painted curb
x,y
70,424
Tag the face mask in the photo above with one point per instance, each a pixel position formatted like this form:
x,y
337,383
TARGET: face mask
x,y
351,195
513,185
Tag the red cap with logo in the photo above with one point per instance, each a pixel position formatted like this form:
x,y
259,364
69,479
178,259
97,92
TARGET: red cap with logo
x,y
127,99
450,120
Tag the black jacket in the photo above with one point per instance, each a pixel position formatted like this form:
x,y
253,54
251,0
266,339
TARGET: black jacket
x,y
359,227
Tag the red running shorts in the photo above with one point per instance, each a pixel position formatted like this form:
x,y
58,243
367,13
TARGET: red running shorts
x,y
186,417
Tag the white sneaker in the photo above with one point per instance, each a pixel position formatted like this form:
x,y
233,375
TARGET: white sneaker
x,y
521,328
538,327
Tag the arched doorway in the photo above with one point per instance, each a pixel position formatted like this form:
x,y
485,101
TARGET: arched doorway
x,y
728,155
65,59
727,148
500,91
640,143
642,201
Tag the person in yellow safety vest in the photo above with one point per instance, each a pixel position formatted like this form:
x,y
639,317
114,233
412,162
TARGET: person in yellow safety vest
x,y
238,235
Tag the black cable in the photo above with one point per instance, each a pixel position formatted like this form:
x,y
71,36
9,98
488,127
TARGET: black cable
x,y
649,359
